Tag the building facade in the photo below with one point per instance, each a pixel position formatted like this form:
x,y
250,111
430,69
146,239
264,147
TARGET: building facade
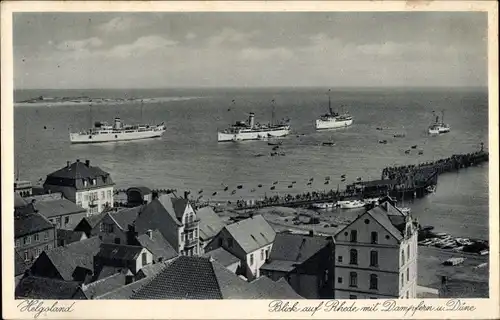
x,y
376,256
88,186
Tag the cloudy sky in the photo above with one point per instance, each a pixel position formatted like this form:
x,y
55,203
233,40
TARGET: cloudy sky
x,y
159,50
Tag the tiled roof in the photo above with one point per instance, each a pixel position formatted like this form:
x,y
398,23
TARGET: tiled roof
x,y
279,265
70,236
77,254
26,222
125,292
296,247
106,271
125,217
151,269
222,256
268,289
210,223
157,245
78,170
47,288
194,278
252,233
20,265
103,286
52,208
119,251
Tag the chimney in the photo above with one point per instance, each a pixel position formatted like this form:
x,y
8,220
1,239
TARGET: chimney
x,y
186,193
87,163
154,195
150,234
77,160
68,164
311,233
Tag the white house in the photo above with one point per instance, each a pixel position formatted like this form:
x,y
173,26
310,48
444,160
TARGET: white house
x,y
376,255
250,240
89,187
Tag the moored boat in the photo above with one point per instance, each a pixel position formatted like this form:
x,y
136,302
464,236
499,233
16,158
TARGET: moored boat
x,y
439,127
333,119
352,204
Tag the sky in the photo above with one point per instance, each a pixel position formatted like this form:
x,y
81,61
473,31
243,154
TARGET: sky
x,y
315,49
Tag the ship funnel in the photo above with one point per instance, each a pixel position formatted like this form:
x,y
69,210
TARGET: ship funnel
x,y
251,120
118,123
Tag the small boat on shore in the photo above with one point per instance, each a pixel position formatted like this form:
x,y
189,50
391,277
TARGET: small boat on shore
x,y
399,135
325,205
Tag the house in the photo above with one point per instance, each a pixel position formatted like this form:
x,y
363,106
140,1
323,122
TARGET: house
x,y
154,241
48,289
113,226
137,196
88,186
87,224
306,262
23,188
376,255
65,237
176,220
210,225
132,258
63,213
225,258
188,277
250,240
73,262
33,233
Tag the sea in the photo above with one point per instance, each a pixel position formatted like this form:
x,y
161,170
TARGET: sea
x,y
189,158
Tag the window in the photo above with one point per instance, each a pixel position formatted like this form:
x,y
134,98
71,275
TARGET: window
x,y
195,232
353,256
36,237
267,253
373,282
18,242
367,221
38,252
339,279
373,258
408,274
108,227
58,221
220,242
408,295
94,182
402,256
408,250
354,235
26,257
144,258
101,227
103,196
353,279
262,254
79,203
27,240
77,196
374,237
109,194
402,279
352,296
86,197
46,247
66,220
85,184
251,259
339,258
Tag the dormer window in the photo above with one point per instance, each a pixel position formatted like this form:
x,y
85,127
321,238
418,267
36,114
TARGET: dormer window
x,y
85,183
94,182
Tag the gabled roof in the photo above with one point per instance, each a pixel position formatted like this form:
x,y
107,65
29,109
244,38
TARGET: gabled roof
x,y
94,219
103,286
297,248
119,251
156,212
125,217
151,269
210,223
77,254
70,236
124,292
19,201
27,222
252,233
157,245
78,170
268,289
47,288
53,208
222,256
194,278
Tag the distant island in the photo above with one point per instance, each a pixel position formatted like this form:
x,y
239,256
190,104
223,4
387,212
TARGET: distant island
x,y
50,101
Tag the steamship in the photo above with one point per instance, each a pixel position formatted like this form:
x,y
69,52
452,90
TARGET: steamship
x,y
439,127
103,132
249,130
333,119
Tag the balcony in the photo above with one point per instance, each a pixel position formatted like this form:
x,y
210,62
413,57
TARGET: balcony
x,y
191,225
188,243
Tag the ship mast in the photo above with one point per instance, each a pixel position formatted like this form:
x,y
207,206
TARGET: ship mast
x,y
142,105
272,113
329,102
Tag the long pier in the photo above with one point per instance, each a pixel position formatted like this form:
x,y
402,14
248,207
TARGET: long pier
x,y
414,181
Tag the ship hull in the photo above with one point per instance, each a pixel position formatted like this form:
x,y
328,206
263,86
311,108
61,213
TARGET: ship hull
x,y
321,124
255,135
78,138
438,131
